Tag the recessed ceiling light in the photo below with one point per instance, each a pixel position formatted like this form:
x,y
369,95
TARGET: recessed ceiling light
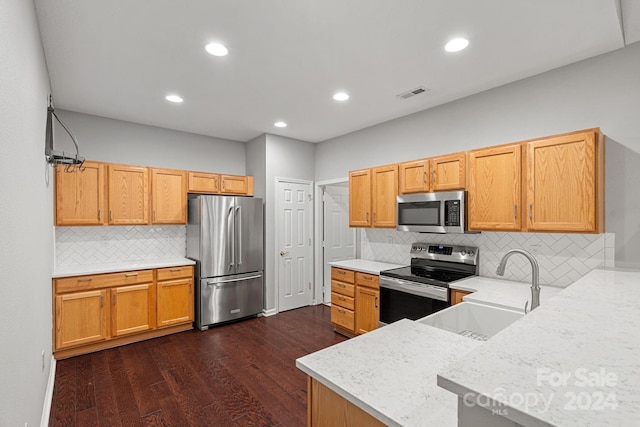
x,y
456,45
280,124
341,96
216,49
173,98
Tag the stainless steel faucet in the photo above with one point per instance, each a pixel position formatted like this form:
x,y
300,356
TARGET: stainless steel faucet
x,y
535,275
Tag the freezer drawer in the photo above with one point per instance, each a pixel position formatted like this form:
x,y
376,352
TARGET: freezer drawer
x,y
226,298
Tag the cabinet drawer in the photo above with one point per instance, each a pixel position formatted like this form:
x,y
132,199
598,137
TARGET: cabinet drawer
x,y
343,301
97,281
342,275
343,317
175,272
343,288
370,280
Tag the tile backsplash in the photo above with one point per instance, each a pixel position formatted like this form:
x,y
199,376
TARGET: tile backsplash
x,y
563,258
95,245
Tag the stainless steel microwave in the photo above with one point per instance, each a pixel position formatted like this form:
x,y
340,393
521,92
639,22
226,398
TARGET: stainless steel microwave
x,y
443,212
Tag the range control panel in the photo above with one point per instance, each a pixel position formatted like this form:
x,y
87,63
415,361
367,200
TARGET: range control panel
x,y
452,253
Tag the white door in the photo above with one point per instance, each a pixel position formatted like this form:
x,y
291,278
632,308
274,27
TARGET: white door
x,y
294,239
339,239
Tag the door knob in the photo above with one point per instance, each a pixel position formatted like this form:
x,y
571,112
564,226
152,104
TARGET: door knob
x,y
283,253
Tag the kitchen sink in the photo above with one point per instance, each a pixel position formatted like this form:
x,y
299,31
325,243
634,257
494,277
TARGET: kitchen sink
x,y
473,320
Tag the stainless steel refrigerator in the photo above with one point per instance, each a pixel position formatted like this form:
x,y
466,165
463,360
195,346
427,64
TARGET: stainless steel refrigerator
x,y
224,237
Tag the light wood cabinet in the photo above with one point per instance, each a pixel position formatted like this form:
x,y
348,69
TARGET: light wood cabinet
x,y
80,195
128,195
175,296
236,184
360,198
495,188
372,197
168,196
367,309
343,300
99,311
564,183
443,173
205,183
326,408
81,318
457,295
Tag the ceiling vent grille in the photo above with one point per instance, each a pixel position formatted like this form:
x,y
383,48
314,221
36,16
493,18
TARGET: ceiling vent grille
x,y
413,92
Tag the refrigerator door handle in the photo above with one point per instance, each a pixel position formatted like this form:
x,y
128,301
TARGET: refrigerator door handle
x,y
239,230
215,283
231,237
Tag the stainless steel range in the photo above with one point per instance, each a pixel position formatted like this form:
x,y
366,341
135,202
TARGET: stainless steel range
x,y
422,288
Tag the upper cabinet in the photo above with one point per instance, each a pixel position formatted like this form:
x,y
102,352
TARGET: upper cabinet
x,y
128,195
235,184
206,183
213,183
169,196
79,198
564,179
494,194
372,197
441,173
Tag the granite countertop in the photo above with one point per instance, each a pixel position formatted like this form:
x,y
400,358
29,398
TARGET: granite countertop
x,y
501,293
391,372
365,265
589,330
113,267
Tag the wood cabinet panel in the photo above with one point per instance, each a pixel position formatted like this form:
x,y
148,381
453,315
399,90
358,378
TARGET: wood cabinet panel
x,y
369,280
175,302
343,301
343,275
80,195
414,176
326,408
360,198
98,281
343,288
562,183
343,317
81,318
457,295
171,273
384,192
367,309
205,183
495,188
128,195
234,184
168,196
448,172
133,309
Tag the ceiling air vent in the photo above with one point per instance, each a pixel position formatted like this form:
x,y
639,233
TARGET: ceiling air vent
x,y
413,92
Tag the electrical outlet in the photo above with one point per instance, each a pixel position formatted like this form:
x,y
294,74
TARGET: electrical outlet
x,y
42,369
390,239
104,241
534,249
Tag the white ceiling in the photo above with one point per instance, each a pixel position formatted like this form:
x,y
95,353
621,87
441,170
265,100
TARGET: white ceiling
x,y
119,58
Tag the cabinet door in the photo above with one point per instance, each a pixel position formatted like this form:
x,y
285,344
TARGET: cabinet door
x,y
494,189
367,309
80,195
360,198
384,192
414,176
128,195
81,318
449,172
168,196
205,183
457,295
175,302
133,309
233,184
562,183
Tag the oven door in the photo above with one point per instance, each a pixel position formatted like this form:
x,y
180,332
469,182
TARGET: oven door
x,y
403,299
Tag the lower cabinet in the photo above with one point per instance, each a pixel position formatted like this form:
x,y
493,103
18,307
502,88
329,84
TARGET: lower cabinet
x,y
326,408
355,301
100,311
457,295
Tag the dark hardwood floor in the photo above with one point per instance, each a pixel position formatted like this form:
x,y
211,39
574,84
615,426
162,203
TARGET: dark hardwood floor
x,y
241,374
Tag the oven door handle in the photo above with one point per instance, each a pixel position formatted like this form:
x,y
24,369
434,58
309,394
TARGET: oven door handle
x,y
429,291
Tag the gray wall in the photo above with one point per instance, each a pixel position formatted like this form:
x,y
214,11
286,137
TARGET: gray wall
x,y
285,158
26,218
599,92
110,140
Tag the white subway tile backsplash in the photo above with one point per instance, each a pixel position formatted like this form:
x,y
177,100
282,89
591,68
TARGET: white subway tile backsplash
x,y
563,258
95,245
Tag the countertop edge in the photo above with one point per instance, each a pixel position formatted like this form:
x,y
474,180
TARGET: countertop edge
x,y
117,267
365,265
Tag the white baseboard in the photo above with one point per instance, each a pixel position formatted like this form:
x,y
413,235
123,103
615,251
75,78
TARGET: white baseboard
x,y
48,397
271,312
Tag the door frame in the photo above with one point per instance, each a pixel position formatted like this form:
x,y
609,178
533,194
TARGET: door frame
x,y
276,248
318,264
